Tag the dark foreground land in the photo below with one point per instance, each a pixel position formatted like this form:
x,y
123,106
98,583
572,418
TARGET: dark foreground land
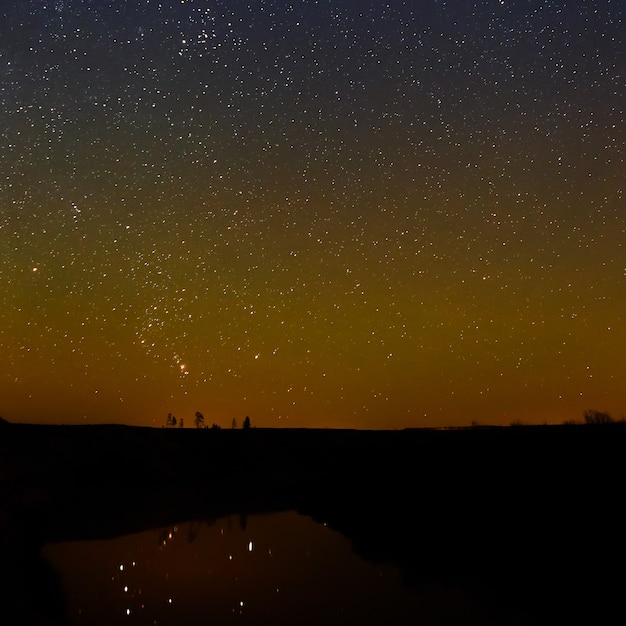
x,y
530,516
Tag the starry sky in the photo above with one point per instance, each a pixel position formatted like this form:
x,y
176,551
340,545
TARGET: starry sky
x,y
319,213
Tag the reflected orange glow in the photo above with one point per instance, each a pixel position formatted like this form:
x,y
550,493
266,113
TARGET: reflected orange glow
x,y
280,565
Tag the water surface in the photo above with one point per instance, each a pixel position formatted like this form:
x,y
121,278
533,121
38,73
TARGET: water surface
x,y
279,568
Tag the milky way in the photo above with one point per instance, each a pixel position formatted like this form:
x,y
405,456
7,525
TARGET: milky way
x,y
318,213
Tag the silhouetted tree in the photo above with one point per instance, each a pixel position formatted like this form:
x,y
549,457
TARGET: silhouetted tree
x,y
234,425
597,417
216,427
199,421
246,423
182,424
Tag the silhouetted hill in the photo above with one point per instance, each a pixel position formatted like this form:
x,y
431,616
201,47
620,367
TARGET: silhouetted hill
x,y
64,464
532,514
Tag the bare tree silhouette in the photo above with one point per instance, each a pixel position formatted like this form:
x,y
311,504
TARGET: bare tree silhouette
x,y
597,417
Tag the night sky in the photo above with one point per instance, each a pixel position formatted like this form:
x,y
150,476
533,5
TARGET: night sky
x,y
320,213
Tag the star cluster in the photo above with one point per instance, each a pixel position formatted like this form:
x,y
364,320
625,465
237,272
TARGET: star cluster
x,y
318,213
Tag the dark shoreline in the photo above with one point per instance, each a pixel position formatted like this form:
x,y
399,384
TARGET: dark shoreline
x,y
56,472
532,513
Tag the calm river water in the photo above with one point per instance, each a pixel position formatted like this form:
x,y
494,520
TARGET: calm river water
x,y
279,568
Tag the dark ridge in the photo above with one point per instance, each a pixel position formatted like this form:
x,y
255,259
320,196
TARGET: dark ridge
x,y
532,516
